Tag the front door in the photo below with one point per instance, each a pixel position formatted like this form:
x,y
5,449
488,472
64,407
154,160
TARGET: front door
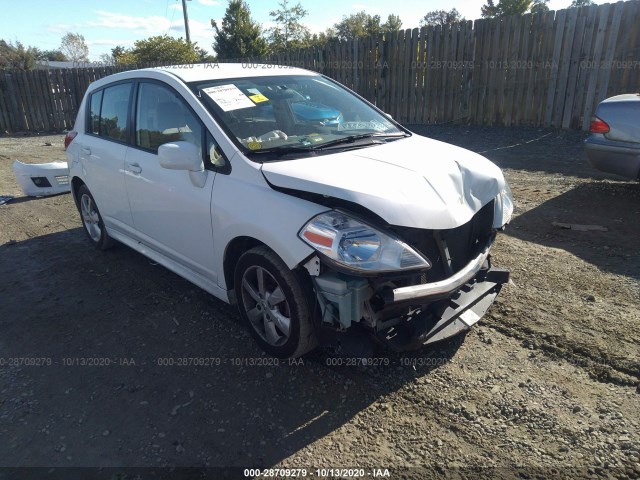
x,y
170,213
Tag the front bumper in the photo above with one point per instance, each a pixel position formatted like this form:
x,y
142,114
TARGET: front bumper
x,y
447,317
406,318
443,287
408,310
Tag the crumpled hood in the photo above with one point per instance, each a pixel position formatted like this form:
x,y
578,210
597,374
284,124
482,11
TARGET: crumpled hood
x,y
414,182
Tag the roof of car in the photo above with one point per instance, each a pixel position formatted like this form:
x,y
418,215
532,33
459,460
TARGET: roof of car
x,y
216,71
624,98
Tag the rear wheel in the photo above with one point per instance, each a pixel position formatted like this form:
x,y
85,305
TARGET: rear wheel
x,y
273,305
92,220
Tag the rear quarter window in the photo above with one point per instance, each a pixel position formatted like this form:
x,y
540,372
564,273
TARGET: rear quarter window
x,y
94,116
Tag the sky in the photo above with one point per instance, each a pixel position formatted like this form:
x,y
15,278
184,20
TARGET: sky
x,y
106,24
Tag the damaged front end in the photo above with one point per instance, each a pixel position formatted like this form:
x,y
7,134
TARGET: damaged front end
x,y
407,287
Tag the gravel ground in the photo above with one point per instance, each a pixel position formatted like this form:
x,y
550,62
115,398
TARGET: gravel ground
x,y
545,386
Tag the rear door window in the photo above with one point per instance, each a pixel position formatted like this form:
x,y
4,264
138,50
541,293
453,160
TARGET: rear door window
x,y
109,112
115,109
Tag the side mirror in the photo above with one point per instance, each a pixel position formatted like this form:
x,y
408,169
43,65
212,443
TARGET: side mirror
x,y
183,156
180,156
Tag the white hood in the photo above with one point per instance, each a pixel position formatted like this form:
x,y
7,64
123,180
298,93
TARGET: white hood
x,y
414,182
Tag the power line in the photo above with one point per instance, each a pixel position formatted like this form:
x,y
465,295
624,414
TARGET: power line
x,y
171,21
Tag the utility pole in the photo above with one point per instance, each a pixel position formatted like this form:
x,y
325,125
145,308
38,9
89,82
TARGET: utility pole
x,y
186,20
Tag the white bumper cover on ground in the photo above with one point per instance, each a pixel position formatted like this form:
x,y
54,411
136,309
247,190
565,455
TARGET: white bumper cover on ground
x,y
41,179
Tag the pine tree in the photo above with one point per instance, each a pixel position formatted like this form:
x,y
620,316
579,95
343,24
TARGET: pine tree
x,y
238,36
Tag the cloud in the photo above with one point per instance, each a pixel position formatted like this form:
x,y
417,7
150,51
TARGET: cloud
x,y
110,42
209,3
201,33
150,25
328,22
62,27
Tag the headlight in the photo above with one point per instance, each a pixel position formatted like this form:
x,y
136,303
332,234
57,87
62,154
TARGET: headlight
x,y
503,209
356,245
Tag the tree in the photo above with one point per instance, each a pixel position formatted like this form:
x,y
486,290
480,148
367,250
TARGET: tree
x,y
238,36
441,17
362,24
356,25
505,7
106,59
122,56
539,6
161,49
489,10
580,3
204,56
319,39
393,24
514,7
164,49
289,32
52,55
17,57
74,47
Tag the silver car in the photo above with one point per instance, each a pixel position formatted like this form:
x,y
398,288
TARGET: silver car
x,y
614,143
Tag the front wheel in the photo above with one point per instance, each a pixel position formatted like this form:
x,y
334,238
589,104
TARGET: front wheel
x,y
273,305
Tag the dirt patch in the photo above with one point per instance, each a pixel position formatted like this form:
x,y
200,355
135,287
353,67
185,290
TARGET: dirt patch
x,y
546,385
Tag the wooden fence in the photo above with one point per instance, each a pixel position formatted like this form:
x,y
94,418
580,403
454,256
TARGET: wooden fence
x,y
549,70
44,100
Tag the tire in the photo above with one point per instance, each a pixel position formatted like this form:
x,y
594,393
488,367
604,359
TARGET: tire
x,y
92,220
283,329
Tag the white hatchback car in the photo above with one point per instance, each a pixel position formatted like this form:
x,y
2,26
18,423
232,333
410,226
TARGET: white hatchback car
x,y
281,190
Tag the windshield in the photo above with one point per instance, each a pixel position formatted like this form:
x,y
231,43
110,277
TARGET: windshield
x,y
291,113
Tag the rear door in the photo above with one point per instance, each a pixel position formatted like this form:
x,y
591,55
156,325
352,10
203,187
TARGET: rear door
x,y
170,213
103,148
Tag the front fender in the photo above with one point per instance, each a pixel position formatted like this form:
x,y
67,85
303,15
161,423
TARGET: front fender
x,y
259,212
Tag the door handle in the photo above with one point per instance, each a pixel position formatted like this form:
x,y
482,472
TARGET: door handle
x,y
86,150
135,168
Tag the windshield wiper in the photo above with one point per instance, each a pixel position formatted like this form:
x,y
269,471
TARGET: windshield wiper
x,y
287,149
353,138
284,149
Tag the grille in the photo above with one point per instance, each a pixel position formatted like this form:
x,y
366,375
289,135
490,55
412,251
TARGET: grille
x,y
463,243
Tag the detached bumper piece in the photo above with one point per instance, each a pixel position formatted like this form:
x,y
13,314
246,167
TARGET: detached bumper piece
x,y
447,317
40,179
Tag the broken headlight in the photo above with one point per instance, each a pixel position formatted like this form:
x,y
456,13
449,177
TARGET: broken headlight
x,y
356,245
